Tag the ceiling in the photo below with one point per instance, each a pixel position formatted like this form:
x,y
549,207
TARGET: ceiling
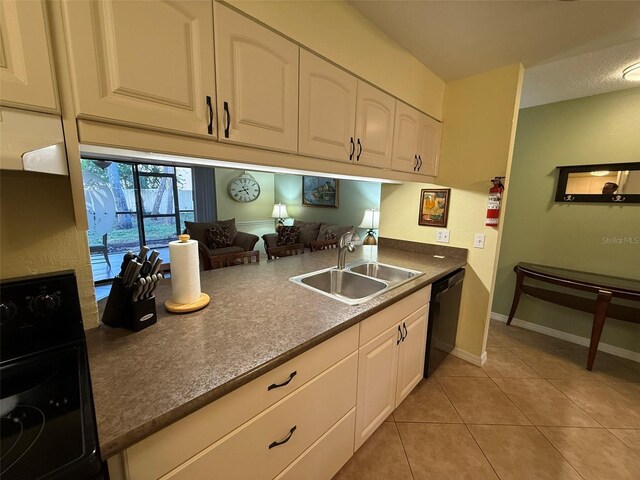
x,y
570,49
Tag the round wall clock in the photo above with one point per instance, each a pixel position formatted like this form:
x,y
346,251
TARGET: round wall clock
x,y
244,188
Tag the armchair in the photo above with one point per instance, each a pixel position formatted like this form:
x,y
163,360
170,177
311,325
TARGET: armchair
x,y
242,241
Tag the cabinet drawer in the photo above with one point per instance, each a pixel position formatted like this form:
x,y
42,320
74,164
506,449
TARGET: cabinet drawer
x,y
381,321
168,448
325,458
269,442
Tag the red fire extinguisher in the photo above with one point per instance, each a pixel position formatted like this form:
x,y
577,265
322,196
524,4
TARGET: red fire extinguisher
x,y
495,199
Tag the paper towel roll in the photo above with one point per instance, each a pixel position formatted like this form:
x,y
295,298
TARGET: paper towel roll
x,y
185,270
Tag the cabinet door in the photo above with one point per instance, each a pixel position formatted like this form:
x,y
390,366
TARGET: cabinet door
x,y
429,153
406,138
148,63
411,353
327,109
377,374
257,83
26,73
375,115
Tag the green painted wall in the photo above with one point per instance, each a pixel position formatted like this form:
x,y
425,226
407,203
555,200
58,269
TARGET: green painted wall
x,y
353,198
599,129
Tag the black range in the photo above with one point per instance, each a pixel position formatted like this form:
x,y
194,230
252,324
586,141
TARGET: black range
x,y
47,418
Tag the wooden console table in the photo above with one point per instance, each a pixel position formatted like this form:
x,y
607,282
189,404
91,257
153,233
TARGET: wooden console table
x,y
605,288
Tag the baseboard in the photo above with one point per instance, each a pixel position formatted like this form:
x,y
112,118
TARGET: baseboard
x,y
477,360
569,337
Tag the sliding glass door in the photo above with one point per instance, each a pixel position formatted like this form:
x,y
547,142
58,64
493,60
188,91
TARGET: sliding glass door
x,y
131,204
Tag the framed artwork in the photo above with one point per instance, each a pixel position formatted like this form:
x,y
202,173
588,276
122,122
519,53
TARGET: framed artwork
x,y
319,192
434,207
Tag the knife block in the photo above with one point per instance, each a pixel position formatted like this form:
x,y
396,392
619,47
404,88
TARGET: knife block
x,y
122,311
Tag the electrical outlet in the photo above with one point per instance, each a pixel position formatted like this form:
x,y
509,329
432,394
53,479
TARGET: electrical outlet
x,y
478,240
442,236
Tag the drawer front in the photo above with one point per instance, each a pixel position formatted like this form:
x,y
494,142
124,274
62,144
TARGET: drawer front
x,y
265,445
175,444
325,458
381,321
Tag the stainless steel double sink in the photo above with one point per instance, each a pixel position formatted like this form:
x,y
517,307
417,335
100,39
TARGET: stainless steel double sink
x,y
357,283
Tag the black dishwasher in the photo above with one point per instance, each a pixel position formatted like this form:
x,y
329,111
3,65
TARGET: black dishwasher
x,y
443,319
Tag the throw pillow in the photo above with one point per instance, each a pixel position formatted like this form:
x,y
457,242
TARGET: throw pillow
x,y
288,235
327,231
198,230
219,236
329,234
308,231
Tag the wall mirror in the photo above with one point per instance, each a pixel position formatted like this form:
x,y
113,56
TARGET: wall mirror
x,y
617,183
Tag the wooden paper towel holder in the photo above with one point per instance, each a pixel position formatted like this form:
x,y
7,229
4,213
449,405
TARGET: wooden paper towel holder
x,y
173,307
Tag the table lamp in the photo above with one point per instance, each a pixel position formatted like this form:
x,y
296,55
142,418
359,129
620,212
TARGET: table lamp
x,y
279,212
370,221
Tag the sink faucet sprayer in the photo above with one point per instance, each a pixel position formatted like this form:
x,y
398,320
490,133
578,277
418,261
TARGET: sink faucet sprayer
x,y
343,246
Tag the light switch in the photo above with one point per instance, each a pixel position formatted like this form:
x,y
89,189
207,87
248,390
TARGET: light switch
x,y
442,236
478,240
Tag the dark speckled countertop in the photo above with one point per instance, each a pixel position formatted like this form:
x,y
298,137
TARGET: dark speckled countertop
x,y
257,320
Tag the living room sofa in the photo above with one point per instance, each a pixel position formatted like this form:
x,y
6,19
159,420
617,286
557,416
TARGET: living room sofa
x,y
228,235
310,235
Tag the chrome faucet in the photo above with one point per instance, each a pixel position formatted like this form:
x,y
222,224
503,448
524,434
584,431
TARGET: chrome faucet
x,y
343,246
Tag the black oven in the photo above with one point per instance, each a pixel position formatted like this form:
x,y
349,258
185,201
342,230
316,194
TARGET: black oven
x,y
48,426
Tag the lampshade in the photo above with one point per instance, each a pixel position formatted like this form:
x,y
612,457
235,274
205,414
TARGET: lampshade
x,y
279,211
370,219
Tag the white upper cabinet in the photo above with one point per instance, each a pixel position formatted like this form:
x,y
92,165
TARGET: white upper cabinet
x,y
406,138
148,63
429,153
375,116
416,142
327,109
257,74
26,71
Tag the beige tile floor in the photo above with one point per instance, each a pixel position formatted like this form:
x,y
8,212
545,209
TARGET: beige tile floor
x,y
532,412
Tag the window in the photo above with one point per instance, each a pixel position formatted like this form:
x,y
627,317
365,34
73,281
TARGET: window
x,y
131,204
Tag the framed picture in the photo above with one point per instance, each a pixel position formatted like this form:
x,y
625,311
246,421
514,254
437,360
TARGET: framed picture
x,y
434,207
319,192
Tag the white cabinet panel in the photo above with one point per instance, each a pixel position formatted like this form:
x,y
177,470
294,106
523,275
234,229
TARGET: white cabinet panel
x,y
26,71
411,353
406,138
375,116
391,364
430,139
416,142
257,83
327,109
148,63
377,374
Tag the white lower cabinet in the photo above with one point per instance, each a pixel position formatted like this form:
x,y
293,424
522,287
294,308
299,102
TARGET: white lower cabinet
x,y
391,364
165,453
300,420
411,354
323,459
377,378
265,445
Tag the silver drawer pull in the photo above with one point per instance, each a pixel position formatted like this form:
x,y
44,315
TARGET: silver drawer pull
x,y
285,440
286,382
